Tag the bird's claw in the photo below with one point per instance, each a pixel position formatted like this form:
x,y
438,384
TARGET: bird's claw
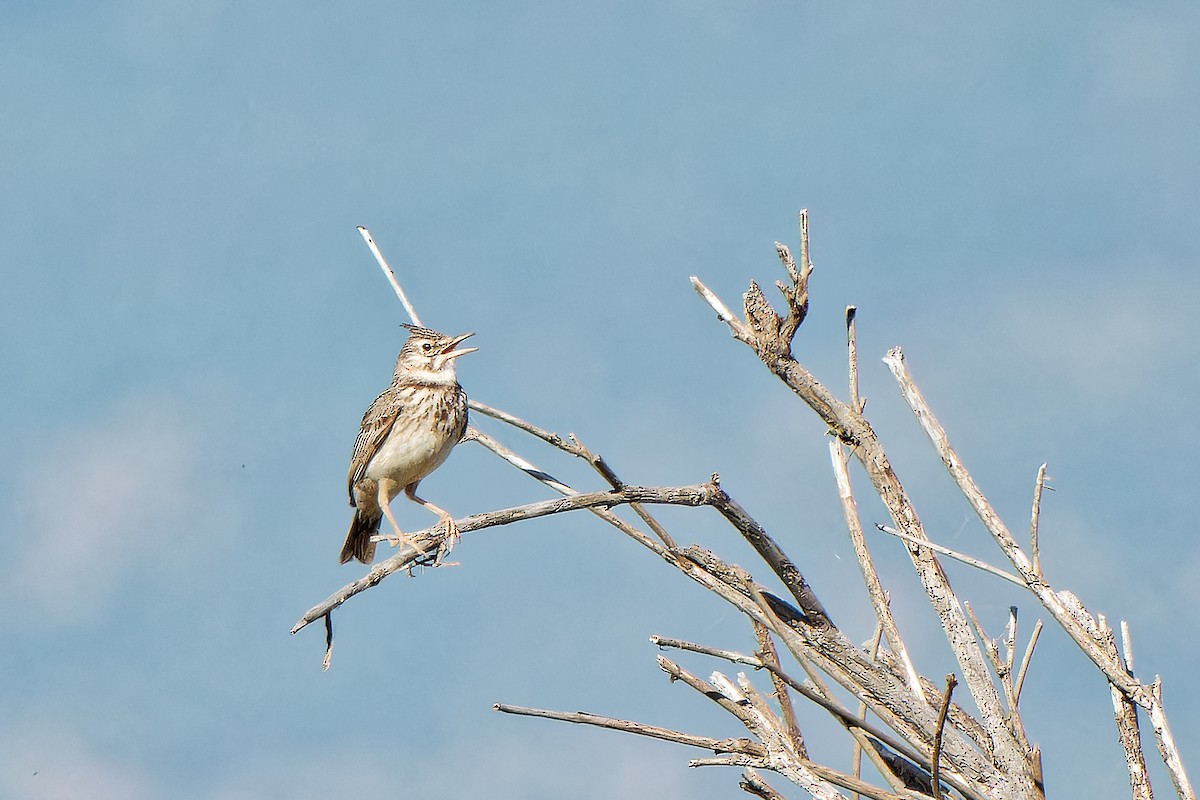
x,y
400,540
451,539
424,557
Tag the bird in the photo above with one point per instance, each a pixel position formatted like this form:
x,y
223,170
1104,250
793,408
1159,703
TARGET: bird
x,y
406,434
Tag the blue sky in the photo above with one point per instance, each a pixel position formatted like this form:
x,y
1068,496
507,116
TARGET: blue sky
x,y
193,328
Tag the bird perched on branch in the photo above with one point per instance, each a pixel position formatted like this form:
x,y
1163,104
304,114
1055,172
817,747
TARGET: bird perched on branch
x,y
406,434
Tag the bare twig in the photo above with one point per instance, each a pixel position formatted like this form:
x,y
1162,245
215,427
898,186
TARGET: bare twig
x,y
1128,732
1003,666
1167,747
857,785
1034,515
745,746
539,475
875,591
951,682
856,753
1019,681
795,294
852,354
725,699
391,276
731,760
839,659
723,313
752,783
771,553
431,537
766,647
575,448
823,691
732,656
562,488
946,551
328,641
985,641
1127,646
1010,642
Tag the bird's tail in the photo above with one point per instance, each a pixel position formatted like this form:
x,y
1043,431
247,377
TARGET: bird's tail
x,y
358,539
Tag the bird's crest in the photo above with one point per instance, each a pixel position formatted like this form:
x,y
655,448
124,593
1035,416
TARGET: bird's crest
x,y
424,333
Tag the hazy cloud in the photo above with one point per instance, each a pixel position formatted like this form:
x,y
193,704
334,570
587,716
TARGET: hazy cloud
x,y
98,501
1144,58
533,767
54,763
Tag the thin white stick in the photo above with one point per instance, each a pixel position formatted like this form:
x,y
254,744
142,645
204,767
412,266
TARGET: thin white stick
x,y
875,591
715,303
391,276
1019,681
1166,744
1034,517
946,551
1127,645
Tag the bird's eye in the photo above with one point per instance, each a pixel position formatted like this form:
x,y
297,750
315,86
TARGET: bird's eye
x,y
426,346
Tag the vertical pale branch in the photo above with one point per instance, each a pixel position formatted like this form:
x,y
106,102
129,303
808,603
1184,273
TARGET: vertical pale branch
x,y
943,710
852,355
1167,748
1019,681
1034,516
1128,732
875,590
1010,642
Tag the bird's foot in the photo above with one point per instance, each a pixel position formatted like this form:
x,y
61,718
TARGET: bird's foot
x,y
398,539
452,537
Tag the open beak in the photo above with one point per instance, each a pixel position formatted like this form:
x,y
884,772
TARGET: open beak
x,y
449,350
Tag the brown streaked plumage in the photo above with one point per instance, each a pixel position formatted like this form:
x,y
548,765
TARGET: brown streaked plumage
x,y
405,434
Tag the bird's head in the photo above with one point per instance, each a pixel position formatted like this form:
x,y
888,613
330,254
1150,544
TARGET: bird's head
x,y
429,355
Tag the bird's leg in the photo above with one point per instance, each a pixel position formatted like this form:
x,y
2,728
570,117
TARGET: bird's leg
x,y
387,490
452,535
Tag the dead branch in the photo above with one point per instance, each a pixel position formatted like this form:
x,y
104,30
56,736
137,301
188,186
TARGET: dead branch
x,y
1128,732
745,746
430,539
943,710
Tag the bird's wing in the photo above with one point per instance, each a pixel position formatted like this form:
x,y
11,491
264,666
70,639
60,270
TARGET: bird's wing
x,y
376,424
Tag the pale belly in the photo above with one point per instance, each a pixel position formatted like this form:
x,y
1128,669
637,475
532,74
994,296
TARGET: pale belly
x,y
408,459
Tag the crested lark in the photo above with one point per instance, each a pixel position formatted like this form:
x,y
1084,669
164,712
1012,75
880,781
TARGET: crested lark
x,y
406,434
